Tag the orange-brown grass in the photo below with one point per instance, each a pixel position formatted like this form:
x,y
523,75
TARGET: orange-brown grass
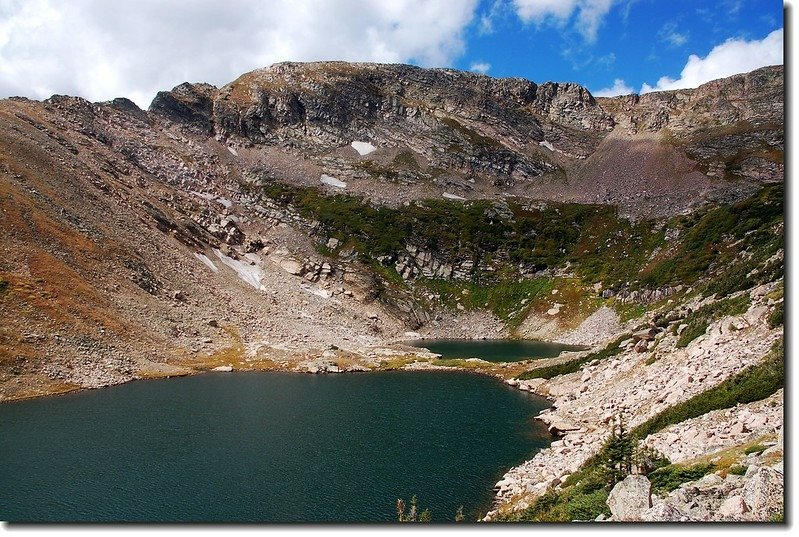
x,y
16,388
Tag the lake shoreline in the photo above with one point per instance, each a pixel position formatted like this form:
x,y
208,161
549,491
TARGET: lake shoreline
x,y
390,356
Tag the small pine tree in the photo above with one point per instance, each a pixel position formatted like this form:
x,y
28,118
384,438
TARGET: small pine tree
x,y
619,450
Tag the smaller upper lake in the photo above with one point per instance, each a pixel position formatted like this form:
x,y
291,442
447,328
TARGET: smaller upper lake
x,y
495,350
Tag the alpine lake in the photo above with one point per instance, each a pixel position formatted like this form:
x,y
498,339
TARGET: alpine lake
x,y
270,447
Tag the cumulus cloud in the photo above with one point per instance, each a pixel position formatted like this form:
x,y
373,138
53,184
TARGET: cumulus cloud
x,y
480,67
590,13
731,57
100,49
619,87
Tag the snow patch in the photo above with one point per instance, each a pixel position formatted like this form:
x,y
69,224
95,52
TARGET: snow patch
x,y
332,181
207,262
546,144
224,201
251,274
363,148
232,151
452,196
203,195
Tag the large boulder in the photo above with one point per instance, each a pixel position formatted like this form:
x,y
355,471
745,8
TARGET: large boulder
x,y
764,493
630,498
733,508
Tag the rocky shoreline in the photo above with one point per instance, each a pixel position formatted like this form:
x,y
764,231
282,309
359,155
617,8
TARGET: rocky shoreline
x,y
637,385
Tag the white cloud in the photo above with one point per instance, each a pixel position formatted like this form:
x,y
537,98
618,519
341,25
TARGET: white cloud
x,y
672,36
676,39
486,24
731,57
100,49
619,87
590,13
480,67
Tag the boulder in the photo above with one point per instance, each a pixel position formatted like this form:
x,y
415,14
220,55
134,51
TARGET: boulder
x,y
647,334
764,493
630,498
738,428
663,512
559,427
292,267
733,507
755,315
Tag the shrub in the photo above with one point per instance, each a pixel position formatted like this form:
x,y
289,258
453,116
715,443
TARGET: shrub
x,y
584,494
587,506
738,469
776,318
717,237
757,448
697,326
670,477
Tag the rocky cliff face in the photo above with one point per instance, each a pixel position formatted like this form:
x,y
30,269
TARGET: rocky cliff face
x,y
470,136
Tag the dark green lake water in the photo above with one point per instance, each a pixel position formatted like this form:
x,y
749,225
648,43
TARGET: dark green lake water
x,y
273,447
495,350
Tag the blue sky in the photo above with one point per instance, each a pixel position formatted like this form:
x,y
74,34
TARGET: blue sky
x,y
100,49
636,41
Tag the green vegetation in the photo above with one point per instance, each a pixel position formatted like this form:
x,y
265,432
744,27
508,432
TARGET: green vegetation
x,y
699,320
670,477
412,515
752,384
757,448
548,372
717,237
628,312
720,250
600,246
475,138
509,300
777,317
738,469
539,237
405,159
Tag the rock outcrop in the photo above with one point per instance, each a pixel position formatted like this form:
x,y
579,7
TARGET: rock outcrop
x,y
630,498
